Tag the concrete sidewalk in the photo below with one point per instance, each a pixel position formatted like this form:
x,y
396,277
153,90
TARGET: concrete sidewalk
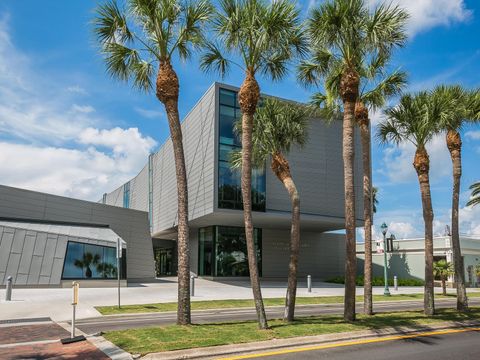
x,y
55,303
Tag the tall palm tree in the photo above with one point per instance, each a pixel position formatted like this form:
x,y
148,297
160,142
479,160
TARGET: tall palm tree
x,y
344,35
475,197
443,270
376,87
416,120
264,36
277,127
135,39
465,105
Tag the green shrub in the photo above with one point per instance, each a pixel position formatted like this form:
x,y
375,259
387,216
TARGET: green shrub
x,y
377,281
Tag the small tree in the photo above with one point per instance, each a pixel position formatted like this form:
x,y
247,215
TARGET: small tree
x,y
443,269
277,127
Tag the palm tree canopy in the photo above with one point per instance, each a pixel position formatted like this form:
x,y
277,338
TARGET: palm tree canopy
x,y
415,119
475,197
265,35
277,127
374,199
442,268
465,105
344,34
139,34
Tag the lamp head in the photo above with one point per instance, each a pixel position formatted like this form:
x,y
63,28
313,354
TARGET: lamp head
x,y
384,228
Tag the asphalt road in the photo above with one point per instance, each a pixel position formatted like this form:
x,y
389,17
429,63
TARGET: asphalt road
x,y
106,323
455,346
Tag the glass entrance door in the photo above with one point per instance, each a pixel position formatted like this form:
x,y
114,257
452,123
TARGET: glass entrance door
x,y
163,261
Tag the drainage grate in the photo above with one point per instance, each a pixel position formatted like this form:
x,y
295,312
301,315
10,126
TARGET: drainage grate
x,y
16,321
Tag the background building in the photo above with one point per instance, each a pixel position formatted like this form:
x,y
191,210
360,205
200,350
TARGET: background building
x,y
407,261
48,240
218,246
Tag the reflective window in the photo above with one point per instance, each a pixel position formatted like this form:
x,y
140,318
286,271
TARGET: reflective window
x,y
229,184
126,195
88,261
223,251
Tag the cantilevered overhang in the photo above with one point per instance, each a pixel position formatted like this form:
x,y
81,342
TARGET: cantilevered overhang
x,y
268,220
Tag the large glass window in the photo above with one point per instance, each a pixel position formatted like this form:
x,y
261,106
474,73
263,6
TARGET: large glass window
x,y
223,251
88,261
229,184
126,195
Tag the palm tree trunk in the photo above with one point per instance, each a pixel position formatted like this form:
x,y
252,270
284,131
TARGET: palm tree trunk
x,y
281,168
422,166
361,116
454,144
444,286
248,97
167,93
349,92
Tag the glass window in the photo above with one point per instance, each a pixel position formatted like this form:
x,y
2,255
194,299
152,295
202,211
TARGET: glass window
x,y
227,247
205,252
126,195
229,191
88,261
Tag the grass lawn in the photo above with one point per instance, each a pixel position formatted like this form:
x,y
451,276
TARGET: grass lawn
x,y
224,304
174,337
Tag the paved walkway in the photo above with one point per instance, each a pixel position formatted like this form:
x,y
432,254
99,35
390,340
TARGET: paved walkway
x,y
55,303
41,340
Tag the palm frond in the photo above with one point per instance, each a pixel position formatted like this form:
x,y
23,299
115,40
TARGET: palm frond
x,y
475,196
213,60
110,24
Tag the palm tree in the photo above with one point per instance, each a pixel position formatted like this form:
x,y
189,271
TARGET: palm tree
x,y
88,259
475,197
465,105
414,120
443,269
265,36
344,35
136,39
277,127
374,199
377,87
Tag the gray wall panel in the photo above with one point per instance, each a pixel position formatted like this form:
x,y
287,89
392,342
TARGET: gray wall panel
x,y
131,225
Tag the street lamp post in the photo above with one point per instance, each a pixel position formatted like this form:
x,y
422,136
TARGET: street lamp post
x,y
384,228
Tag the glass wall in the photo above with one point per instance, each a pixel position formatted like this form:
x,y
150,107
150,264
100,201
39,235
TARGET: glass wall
x,y
229,184
88,261
223,251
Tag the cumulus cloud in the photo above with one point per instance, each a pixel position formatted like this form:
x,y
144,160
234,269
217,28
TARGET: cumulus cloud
x,y
149,114
426,14
51,143
474,135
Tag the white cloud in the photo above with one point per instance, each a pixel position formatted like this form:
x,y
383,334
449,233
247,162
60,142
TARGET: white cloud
x,y
470,220
49,143
402,230
84,109
426,14
474,135
397,161
77,90
149,114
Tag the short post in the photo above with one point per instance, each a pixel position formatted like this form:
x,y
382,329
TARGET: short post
x,y
75,287
309,283
119,257
395,282
8,292
192,285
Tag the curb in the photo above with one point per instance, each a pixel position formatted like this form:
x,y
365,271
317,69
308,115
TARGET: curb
x,y
275,344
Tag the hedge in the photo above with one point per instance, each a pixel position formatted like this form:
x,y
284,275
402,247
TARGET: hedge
x,y
378,281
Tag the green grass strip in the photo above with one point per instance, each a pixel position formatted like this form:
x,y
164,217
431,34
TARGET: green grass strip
x,y
228,304
174,337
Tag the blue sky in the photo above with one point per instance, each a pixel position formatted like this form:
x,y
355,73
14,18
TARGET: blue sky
x,y
67,128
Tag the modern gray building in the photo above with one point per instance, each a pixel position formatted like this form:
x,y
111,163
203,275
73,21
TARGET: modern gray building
x,y
48,241
217,240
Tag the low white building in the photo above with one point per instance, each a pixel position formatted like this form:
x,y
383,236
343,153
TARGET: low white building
x,y
407,260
